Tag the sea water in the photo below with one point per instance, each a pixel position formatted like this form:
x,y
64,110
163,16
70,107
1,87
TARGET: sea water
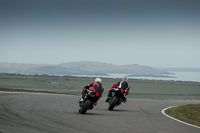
x,y
175,76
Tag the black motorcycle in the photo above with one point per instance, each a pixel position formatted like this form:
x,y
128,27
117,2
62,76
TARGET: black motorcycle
x,y
116,98
88,102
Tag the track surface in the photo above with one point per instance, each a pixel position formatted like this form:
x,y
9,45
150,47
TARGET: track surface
x,y
43,113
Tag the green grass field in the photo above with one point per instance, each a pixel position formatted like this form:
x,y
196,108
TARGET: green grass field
x,y
149,89
188,113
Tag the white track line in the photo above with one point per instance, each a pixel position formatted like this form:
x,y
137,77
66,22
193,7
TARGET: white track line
x,y
163,111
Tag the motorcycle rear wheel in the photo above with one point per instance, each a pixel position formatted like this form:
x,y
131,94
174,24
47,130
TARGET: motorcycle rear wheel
x,y
113,103
85,106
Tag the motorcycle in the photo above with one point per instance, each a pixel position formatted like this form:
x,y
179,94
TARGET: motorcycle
x,y
88,102
116,98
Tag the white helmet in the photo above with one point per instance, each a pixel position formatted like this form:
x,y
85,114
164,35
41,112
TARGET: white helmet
x,y
98,80
125,78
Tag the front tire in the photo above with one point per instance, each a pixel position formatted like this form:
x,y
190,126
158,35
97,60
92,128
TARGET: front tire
x,y
113,103
85,106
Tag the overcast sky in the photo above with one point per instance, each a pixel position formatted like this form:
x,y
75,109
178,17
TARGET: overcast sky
x,y
158,33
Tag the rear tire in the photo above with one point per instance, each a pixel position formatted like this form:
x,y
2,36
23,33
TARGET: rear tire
x,y
113,103
85,106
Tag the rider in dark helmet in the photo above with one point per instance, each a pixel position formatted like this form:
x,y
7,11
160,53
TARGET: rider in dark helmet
x,y
123,86
97,88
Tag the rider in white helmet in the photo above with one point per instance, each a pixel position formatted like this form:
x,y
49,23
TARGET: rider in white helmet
x,y
97,88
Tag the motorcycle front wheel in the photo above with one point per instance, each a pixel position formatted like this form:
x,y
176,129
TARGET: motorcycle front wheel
x,y
113,102
85,106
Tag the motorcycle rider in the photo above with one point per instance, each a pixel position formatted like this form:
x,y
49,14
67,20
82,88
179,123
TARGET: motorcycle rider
x,y
97,88
123,86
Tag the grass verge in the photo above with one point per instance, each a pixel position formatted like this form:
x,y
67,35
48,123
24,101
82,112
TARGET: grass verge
x,y
188,113
23,90
142,89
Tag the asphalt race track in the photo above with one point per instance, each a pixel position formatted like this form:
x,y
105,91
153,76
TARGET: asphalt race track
x,y
44,113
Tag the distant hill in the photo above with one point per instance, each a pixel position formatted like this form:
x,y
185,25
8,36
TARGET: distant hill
x,y
180,69
79,68
43,69
110,68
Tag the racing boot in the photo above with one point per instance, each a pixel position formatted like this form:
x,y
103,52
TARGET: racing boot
x,y
124,99
108,96
80,101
